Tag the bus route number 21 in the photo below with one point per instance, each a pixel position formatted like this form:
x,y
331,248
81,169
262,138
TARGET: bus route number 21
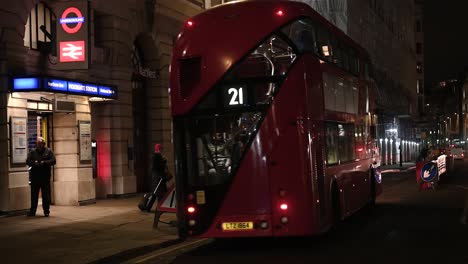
x,y
236,96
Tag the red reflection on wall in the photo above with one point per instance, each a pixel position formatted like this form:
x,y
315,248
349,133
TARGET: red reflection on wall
x,y
104,161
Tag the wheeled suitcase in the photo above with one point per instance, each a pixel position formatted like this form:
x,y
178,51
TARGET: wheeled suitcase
x,y
148,199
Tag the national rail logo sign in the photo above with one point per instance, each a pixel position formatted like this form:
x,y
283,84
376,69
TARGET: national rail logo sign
x,y
72,51
73,35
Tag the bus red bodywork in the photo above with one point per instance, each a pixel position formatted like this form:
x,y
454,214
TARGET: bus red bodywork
x,y
282,184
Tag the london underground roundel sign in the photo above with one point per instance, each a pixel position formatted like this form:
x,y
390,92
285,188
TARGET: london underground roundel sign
x,y
77,18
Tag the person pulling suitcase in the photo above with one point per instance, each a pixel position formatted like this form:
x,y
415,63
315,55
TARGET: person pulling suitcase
x,y
159,177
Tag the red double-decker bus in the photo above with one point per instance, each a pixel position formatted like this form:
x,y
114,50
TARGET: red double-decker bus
x,y
273,123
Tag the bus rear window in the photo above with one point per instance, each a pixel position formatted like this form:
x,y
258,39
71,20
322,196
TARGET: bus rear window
x,y
220,142
273,57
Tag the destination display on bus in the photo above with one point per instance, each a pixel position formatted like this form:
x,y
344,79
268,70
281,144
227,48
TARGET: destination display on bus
x,y
235,96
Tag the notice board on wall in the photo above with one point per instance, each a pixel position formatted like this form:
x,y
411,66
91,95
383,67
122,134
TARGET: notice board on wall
x,y
84,128
19,140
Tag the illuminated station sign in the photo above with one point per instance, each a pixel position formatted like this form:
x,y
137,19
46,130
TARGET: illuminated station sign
x,y
49,84
73,35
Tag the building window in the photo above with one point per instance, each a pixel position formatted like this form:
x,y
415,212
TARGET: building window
x,y
418,48
136,61
418,26
419,84
419,67
40,28
211,3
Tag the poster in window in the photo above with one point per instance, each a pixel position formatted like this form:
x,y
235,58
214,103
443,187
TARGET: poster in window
x,y
19,140
84,128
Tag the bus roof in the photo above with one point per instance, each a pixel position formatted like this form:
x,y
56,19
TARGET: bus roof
x,y
213,41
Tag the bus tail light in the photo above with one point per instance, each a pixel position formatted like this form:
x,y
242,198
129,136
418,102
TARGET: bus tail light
x,y
190,23
192,222
284,206
279,12
191,210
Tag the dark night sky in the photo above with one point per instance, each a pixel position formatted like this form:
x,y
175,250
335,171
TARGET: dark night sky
x,y
445,39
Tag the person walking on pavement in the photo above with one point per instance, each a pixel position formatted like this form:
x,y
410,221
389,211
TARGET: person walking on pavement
x,y
40,159
159,171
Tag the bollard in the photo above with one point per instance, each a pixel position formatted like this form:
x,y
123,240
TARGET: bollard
x,y
464,218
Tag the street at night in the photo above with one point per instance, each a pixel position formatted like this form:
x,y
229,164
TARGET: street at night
x,y
225,131
407,226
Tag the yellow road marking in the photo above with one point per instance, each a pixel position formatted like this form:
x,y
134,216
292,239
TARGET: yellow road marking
x,y
170,249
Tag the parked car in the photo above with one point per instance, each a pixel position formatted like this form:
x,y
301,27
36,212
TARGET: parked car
x,y
457,153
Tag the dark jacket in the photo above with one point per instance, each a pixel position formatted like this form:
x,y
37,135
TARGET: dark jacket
x,y
41,171
159,168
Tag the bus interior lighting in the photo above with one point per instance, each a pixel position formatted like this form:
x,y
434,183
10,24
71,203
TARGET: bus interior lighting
x,y
284,206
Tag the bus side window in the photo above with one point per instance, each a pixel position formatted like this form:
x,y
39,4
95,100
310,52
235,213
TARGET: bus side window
x,y
306,41
323,43
302,33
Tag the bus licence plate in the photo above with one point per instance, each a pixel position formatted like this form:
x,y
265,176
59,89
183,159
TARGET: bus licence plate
x,y
233,226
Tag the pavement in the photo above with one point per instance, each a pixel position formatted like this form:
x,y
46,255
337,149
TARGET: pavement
x,y
110,231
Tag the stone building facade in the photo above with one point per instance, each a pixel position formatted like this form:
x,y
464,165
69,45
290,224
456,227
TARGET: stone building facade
x,y
386,29
130,44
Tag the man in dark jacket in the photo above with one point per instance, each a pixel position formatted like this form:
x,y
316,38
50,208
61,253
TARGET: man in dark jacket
x,y
40,159
159,171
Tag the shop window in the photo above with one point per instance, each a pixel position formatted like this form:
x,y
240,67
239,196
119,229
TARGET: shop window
x,y
40,29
